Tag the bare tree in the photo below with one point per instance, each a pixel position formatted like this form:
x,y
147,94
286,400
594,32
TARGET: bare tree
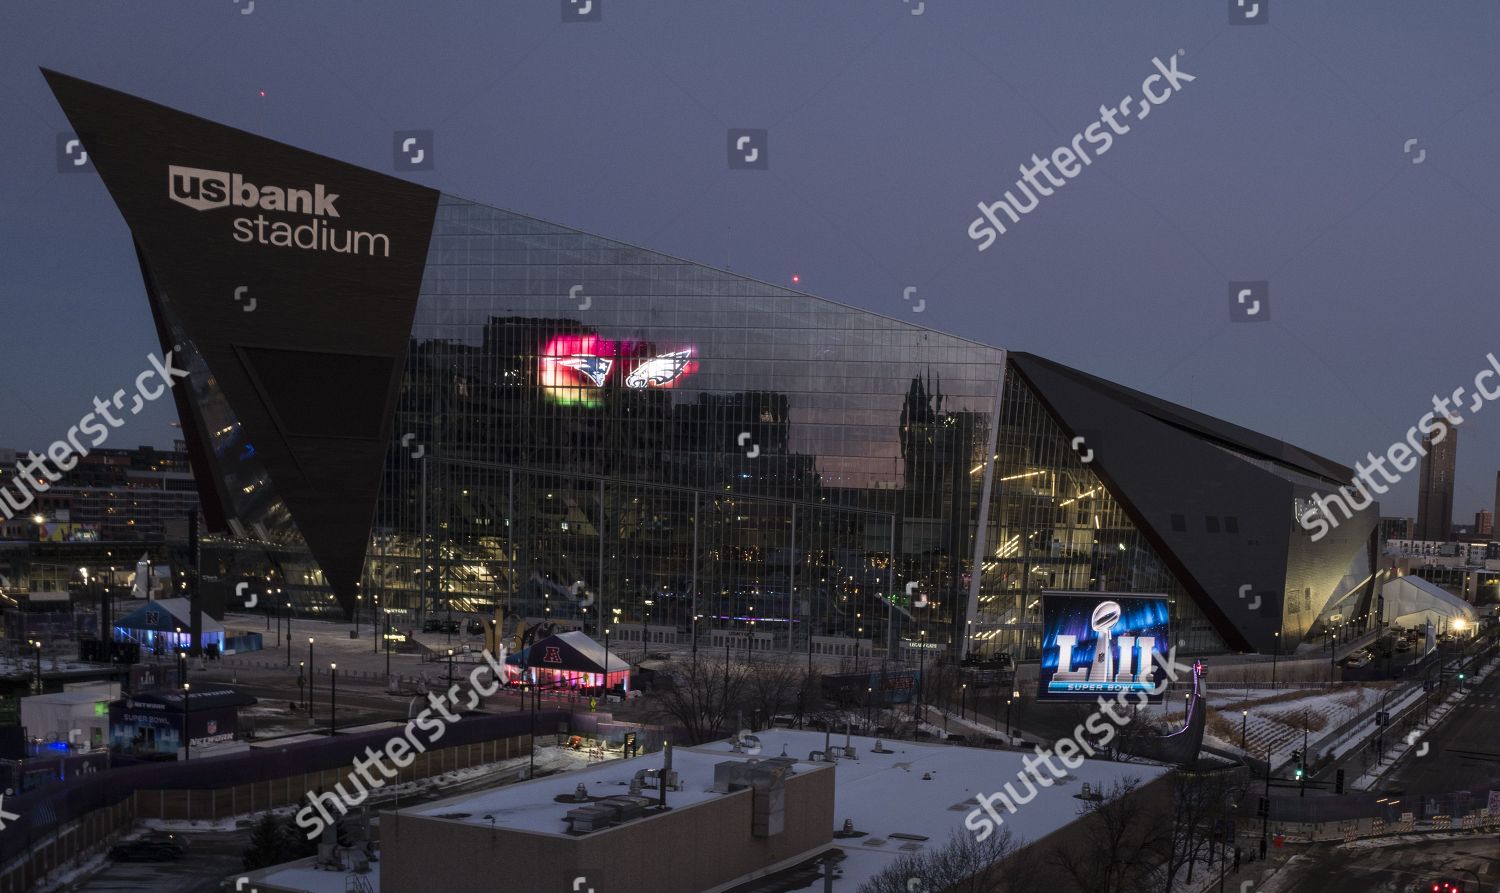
x,y
773,686
963,865
703,697
1125,844
1200,802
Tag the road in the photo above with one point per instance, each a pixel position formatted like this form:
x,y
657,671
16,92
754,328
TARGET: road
x,y
1463,752
1401,866
210,858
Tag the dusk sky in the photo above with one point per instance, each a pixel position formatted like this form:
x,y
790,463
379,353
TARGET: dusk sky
x,y
1286,159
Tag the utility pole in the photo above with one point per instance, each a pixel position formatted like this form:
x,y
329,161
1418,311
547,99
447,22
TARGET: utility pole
x,y
1265,815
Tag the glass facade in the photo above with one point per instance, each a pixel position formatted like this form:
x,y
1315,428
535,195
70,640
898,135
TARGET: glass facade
x,y
617,440
606,432
1054,525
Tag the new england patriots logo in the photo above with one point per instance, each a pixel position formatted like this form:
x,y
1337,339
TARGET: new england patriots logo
x,y
658,371
595,369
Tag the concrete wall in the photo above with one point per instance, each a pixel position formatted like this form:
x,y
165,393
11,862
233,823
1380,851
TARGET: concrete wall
x,y
681,851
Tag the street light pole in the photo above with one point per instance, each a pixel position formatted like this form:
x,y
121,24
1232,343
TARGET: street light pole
x,y
450,667
1265,817
1275,655
1244,728
921,682
311,675
333,698
187,744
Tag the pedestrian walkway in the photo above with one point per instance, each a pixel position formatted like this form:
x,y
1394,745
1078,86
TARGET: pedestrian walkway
x,y
1253,877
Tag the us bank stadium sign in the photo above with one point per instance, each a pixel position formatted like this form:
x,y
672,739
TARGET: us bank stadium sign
x,y
209,190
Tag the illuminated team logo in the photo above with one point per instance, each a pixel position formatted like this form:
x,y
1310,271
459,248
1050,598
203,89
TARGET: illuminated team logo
x,y
659,372
595,369
553,655
574,368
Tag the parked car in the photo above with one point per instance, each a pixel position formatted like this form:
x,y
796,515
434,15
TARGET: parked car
x,y
1357,659
166,848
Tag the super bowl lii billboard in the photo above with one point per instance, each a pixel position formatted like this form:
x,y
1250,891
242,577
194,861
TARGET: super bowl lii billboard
x,y
1097,643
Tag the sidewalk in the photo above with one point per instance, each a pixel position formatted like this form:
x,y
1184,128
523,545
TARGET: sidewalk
x,y
1258,877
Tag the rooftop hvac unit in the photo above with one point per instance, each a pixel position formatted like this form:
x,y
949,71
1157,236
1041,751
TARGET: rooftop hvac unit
x,y
593,817
625,807
768,813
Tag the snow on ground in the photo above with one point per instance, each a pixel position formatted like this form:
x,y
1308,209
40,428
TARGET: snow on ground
x,y
1275,720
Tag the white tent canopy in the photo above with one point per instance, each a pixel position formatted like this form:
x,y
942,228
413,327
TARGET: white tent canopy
x,y
1412,601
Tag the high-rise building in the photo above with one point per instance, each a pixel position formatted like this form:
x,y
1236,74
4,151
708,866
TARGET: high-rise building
x,y
448,405
1484,523
1435,484
1396,529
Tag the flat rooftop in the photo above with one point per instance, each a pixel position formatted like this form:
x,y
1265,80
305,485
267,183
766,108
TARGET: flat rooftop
x,y
919,791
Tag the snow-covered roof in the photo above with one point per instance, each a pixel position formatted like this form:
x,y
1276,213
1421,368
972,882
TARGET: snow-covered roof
x,y
882,794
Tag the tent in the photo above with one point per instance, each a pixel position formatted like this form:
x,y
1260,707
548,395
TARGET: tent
x,y
572,660
155,626
1411,601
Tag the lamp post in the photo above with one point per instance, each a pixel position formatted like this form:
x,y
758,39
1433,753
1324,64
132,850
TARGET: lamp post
x,y
311,674
289,634
450,667
37,648
385,634
921,680
1007,719
182,668
187,743
963,700
301,680
1275,655
357,600
333,698
1265,816
1244,728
